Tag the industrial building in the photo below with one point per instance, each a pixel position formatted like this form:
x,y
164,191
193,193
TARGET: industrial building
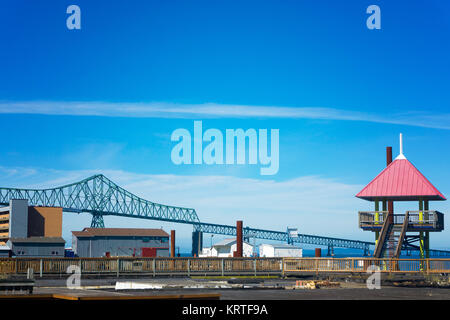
x,y
30,231
226,248
5,251
120,242
279,250
14,220
37,247
44,222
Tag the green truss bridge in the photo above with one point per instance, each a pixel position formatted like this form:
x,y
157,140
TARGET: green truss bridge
x,y
100,197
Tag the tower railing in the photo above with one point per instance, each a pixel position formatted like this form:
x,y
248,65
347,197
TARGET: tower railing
x,y
372,217
426,218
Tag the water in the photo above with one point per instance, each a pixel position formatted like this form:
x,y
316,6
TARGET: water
x,y
338,253
345,253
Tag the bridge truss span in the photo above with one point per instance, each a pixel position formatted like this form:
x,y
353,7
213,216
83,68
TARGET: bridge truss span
x,y
328,242
99,196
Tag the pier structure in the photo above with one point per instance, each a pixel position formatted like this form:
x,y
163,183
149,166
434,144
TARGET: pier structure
x,y
397,231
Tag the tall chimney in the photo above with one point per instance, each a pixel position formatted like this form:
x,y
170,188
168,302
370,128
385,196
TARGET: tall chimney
x,y
390,203
239,245
388,155
172,243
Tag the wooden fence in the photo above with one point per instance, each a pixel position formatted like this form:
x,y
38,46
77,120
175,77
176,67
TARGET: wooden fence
x,y
220,266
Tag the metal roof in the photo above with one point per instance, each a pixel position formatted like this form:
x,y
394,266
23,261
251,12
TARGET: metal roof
x,y
227,242
280,246
400,181
120,232
38,240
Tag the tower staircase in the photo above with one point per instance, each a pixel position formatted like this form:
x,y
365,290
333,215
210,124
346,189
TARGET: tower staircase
x,y
389,244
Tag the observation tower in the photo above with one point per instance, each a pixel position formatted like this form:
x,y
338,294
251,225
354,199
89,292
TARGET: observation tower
x,y
396,231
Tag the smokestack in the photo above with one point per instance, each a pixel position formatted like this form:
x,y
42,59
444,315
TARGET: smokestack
x,y
318,253
388,155
239,245
172,243
388,162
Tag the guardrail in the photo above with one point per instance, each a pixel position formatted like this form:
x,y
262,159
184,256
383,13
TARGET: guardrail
x,y
219,266
371,217
435,218
415,218
363,265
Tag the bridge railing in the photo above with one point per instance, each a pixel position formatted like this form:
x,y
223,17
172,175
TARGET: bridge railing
x,y
220,266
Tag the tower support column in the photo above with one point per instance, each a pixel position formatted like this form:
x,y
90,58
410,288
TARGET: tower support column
x,y
421,234
420,211
427,245
377,220
427,234
421,245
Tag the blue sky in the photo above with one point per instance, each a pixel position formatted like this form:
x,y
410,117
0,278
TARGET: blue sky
x,y
106,98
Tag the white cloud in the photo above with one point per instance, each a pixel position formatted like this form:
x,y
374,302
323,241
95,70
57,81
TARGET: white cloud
x,y
214,110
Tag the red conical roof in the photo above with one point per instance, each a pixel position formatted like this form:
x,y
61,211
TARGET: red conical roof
x,y
400,181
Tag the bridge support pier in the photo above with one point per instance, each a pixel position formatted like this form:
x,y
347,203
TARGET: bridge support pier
x,y
366,251
197,243
97,221
330,251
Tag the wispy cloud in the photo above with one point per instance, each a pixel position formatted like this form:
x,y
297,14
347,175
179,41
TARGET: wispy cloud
x,y
214,110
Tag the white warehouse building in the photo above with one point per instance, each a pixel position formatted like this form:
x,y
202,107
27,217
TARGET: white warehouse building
x,y
279,250
225,249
